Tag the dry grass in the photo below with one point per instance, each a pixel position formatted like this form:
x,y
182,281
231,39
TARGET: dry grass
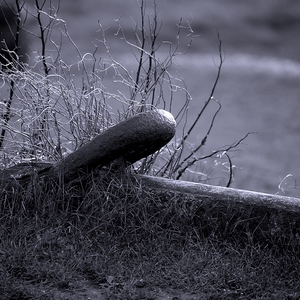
x,y
104,237
111,237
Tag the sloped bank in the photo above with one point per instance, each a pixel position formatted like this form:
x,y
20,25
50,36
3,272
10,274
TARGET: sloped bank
x,y
215,211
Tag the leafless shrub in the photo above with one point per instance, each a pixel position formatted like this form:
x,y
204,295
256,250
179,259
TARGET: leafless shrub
x,y
53,114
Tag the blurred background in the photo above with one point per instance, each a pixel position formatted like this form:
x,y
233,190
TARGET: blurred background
x,y
259,87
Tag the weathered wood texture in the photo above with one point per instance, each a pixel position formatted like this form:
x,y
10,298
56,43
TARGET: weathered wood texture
x,y
217,193
132,139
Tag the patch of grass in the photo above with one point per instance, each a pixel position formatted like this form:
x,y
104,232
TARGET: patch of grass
x,y
128,243
104,236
